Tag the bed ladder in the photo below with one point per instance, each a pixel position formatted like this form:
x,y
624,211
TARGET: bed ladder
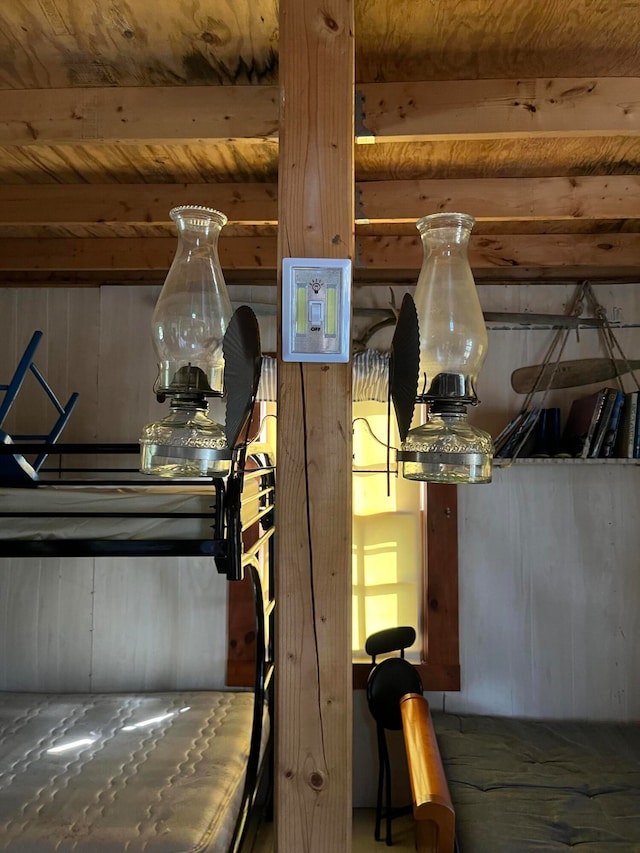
x,y
14,468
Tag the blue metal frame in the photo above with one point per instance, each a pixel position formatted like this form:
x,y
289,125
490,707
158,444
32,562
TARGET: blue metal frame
x,y
19,466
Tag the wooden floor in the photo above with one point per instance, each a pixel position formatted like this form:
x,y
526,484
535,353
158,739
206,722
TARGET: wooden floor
x,y
363,840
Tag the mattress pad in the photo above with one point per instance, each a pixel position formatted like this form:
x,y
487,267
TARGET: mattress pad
x,y
159,772
169,513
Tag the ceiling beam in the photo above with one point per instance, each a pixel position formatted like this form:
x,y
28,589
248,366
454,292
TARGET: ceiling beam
x,y
122,253
140,204
502,252
480,109
490,199
418,111
502,199
503,256
149,114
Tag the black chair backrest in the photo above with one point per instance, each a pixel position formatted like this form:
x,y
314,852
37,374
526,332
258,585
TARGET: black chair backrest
x,y
390,640
392,678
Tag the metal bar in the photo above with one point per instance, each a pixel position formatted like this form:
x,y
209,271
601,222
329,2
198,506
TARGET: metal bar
x,y
87,448
530,319
256,517
90,470
254,474
139,483
250,555
133,514
110,548
248,499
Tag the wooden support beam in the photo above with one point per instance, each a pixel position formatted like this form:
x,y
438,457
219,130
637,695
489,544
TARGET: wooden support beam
x,y
484,109
502,199
137,204
440,592
614,197
313,776
501,252
149,114
121,253
507,255
415,111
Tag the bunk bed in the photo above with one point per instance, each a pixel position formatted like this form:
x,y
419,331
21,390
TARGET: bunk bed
x,y
163,772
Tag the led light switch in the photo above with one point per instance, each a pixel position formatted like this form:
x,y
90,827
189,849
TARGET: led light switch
x,y
316,309
315,315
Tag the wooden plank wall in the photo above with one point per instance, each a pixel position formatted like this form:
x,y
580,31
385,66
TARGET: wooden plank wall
x,y
104,624
549,594
548,555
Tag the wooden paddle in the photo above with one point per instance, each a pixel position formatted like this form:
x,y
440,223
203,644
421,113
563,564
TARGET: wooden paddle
x,y
581,371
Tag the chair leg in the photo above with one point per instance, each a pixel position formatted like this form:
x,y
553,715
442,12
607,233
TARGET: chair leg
x,y
388,814
65,414
19,376
381,769
384,789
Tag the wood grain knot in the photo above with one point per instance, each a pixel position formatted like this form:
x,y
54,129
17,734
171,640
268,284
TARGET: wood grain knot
x,y
331,23
316,780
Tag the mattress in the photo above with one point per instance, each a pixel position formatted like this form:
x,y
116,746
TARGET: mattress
x,y
524,785
93,773
157,502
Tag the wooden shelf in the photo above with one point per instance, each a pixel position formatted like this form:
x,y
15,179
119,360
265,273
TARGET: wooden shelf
x,y
528,460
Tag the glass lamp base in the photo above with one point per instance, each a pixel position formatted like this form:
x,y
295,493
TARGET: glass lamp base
x,y
184,444
167,461
438,471
447,449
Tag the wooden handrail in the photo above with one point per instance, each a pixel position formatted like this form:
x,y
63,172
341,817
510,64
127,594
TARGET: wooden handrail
x,y
432,807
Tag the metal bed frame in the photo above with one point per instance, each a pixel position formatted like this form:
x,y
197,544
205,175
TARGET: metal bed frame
x,y
224,546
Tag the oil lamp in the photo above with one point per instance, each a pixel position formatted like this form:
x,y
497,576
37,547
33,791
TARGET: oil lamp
x,y
188,328
452,348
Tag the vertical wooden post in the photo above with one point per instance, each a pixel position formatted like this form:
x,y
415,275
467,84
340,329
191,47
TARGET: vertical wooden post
x,y
441,593
313,646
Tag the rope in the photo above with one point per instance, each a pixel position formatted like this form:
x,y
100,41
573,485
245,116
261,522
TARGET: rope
x,y
584,291
559,342
610,341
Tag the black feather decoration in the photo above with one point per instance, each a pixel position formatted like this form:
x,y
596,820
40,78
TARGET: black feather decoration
x,y
404,364
242,364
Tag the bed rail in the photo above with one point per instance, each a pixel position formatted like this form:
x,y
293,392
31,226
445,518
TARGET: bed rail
x,y
223,543
263,586
432,807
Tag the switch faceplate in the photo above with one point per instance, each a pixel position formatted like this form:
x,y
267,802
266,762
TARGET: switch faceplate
x,y
316,309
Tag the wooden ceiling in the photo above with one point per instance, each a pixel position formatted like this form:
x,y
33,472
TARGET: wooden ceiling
x,y
524,113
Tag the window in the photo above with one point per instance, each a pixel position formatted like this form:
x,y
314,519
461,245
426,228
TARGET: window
x,y
405,556
388,543
405,561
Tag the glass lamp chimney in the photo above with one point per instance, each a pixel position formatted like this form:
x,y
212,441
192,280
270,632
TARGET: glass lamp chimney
x,y
194,309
